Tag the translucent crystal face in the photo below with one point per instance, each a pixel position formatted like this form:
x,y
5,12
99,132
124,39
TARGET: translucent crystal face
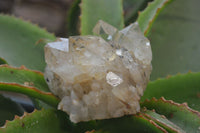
x,y
113,79
99,77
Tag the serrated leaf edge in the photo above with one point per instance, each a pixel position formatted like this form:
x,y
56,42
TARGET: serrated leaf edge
x,y
26,21
157,121
21,68
155,16
151,121
19,117
184,105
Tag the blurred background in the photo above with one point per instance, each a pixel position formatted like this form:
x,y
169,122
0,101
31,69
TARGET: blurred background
x,y
53,14
49,14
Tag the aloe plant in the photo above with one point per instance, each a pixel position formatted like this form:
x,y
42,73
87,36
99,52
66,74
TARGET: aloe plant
x,y
22,63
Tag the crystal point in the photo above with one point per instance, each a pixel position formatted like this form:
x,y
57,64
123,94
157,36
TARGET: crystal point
x,y
99,77
104,28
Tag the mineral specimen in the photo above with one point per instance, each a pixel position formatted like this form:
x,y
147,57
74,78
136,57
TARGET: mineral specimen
x,y
99,77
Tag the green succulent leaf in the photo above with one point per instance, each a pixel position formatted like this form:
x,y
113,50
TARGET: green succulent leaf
x,y
162,121
179,88
22,43
148,16
128,124
92,11
73,18
3,61
8,109
180,114
175,39
46,97
44,121
25,81
131,8
23,76
142,122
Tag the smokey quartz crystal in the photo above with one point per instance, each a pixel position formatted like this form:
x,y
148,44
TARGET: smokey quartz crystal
x,y
102,76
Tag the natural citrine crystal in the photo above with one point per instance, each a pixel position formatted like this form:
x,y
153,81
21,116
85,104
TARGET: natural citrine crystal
x,y
99,77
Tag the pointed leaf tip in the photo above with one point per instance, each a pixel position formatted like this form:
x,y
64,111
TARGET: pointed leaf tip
x,y
148,16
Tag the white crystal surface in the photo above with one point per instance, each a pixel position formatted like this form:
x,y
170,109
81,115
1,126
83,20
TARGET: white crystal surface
x,y
97,78
62,44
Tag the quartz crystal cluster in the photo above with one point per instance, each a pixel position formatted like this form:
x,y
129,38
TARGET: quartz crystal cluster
x,y
102,76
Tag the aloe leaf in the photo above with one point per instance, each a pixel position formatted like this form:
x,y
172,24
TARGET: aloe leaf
x,y
92,11
180,114
27,82
8,109
3,61
175,39
147,17
162,121
44,121
131,8
23,76
73,18
22,43
179,88
128,124
46,97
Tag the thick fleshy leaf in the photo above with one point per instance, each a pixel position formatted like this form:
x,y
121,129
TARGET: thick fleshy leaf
x,y
2,61
44,121
129,124
23,76
73,19
46,97
131,8
180,114
8,109
162,121
28,82
92,11
175,39
180,88
22,43
147,17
